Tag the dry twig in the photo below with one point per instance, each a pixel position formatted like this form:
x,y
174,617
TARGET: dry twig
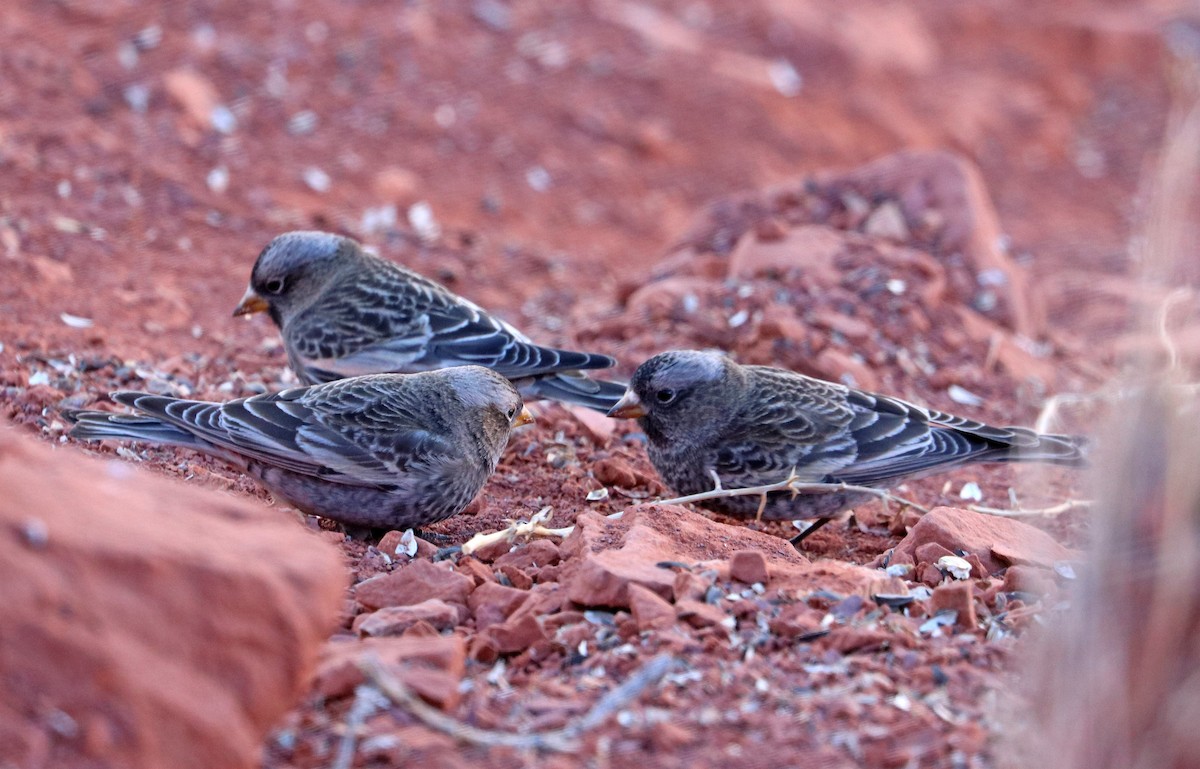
x,y
793,484
1018,512
565,740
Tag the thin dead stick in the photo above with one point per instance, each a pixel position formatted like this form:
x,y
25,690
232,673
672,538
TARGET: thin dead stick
x,y
366,702
1164,333
793,484
565,740
1018,512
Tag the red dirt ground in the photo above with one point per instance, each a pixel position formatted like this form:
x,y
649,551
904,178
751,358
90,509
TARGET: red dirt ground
x,y
566,150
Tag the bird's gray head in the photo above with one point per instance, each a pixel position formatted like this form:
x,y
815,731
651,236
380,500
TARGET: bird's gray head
x,y
292,270
681,395
491,400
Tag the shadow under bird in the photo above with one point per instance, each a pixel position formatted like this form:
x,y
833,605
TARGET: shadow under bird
x,y
389,450
752,426
344,312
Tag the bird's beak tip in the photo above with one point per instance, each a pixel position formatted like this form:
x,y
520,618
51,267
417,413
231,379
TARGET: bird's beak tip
x,y
250,304
523,418
629,407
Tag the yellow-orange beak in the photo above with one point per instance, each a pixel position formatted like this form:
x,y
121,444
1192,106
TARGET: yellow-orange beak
x,y
524,418
250,304
629,407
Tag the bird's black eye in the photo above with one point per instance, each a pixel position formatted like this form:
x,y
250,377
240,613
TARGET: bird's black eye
x,y
274,286
665,395
511,414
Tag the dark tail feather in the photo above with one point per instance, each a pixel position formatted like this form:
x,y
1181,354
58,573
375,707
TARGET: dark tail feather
x,y
103,425
1030,446
576,389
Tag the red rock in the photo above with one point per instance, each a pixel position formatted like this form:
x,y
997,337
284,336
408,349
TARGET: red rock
x,y
649,609
854,329
490,552
613,553
978,571
598,427
663,299
544,600
795,620
1029,579
748,566
959,596
396,184
930,574
689,586
484,649
492,603
394,620
930,552
781,323
616,471
516,634
516,577
811,248
559,619
848,640
699,614
984,535
390,544
533,554
834,364
195,93
477,570
420,629
950,185
413,583
338,671
174,624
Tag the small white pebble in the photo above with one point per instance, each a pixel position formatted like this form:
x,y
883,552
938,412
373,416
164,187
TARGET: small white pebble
x,y
445,115
597,494
956,566
218,179
971,491
302,123
738,318
75,321
538,179
785,78
316,179
408,543
36,533
421,219
897,286
223,119
964,396
39,378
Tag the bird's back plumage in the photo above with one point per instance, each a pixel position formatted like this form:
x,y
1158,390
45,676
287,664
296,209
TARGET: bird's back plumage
x,y
755,425
383,450
360,314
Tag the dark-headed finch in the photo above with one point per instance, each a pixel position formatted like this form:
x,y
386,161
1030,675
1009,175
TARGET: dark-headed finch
x,y
704,414
390,450
343,312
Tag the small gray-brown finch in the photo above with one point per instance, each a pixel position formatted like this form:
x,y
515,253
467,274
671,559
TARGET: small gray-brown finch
x,y
704,414
344,312
384,451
